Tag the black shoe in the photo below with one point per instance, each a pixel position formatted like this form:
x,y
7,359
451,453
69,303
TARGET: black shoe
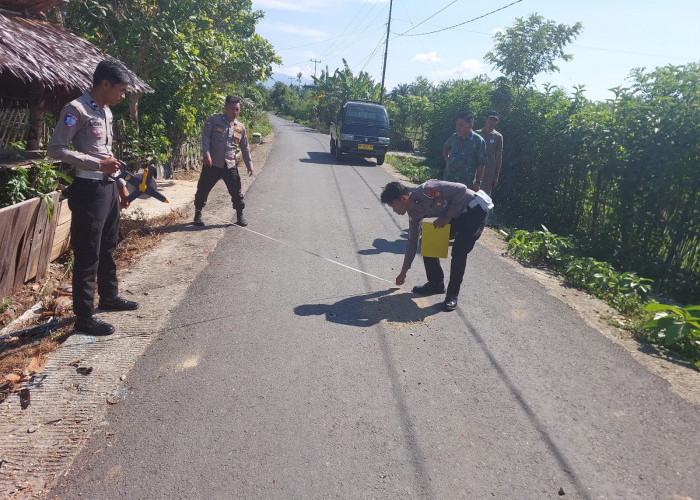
x,y
198,218
450,303
118,304
93,326
240,220
429,288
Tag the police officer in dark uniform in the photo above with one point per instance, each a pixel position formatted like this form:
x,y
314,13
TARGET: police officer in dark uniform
x,y
95,196
449,202
223,135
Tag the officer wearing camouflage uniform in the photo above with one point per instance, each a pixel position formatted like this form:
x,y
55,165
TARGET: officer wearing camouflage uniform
x,y
223,135
465,154
95,196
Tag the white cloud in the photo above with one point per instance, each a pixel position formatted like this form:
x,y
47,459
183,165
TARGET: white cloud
x,y
429,57
468,68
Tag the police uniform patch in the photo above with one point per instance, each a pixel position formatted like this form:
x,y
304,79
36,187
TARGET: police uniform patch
x,y
434,193
70,120
219,129
94,105
97,132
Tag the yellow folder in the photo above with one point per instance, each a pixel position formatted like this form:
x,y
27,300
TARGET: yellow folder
x,y
435,242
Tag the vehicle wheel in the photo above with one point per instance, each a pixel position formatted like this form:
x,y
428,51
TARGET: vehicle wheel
x,y
338,153
332,147
380,160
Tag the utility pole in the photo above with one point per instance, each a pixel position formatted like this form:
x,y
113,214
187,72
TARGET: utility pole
x,y
386,51
314,61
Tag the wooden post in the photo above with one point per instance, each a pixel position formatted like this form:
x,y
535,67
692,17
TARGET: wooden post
x,y
36,116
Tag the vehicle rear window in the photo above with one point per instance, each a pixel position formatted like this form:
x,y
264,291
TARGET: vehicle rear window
x,y
366,114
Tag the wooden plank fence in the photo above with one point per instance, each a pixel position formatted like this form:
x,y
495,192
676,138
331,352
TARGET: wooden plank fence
x,y
28,240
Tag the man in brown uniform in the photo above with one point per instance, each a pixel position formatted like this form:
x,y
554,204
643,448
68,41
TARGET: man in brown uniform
x,y
449,202
494,151
95,196
223,135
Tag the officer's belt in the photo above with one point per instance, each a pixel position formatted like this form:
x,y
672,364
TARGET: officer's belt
x,y
93,175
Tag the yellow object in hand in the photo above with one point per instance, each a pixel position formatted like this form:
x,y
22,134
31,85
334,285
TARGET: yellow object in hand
x,y
435,242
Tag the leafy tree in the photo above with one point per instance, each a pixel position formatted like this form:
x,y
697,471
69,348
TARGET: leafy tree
x,y
422,87
530,47
189,52
402,89
410,116
332,90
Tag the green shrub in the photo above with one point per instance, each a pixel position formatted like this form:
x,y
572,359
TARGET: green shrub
x,y
413,168
626,291
539,247
23,183
677,328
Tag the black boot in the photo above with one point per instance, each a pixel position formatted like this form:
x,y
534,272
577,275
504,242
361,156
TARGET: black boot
x,y
240,220
198,218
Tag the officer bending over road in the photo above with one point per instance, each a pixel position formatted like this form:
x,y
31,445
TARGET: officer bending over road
x,y
444,200
222,136
95,196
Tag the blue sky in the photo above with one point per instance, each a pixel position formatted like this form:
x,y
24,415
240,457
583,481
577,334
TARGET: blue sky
x,y
617,35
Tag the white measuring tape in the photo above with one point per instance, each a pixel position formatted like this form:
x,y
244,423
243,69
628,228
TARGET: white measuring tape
x,y
286,243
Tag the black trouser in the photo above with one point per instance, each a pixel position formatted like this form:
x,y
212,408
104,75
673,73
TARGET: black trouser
x,y
209,177
469,227
94,233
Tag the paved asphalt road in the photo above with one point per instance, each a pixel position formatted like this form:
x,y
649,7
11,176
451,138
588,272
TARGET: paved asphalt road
x,y
285,375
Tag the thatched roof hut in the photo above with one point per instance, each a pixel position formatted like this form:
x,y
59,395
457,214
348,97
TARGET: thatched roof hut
x,y
33,51
43,65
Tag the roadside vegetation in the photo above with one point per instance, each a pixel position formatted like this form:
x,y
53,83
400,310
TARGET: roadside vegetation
x,y
670,326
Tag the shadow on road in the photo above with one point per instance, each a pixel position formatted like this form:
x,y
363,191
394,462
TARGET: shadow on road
x,y
369,309
318,157
385,246
555,450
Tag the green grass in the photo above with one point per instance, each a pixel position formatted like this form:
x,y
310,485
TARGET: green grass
x,y
414,169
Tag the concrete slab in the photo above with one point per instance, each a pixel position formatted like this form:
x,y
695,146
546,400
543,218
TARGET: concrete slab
x,y
180,195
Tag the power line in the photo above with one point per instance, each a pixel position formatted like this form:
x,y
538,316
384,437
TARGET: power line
x,y
461,24
429,18
408,14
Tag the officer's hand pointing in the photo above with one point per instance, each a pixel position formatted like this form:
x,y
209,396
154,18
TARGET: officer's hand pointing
x,y
109,165
401,278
